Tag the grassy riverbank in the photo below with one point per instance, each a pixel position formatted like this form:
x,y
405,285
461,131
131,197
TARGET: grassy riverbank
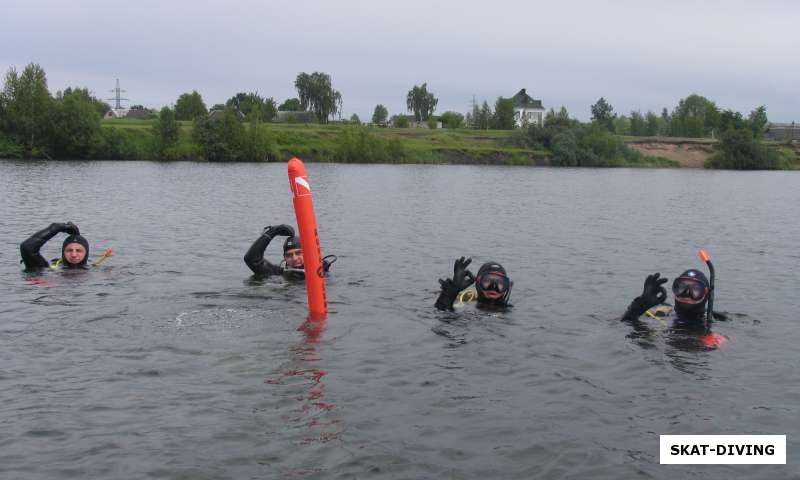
x,y
348,143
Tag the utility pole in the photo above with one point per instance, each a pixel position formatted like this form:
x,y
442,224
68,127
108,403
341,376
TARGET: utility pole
x,y
117,97
472,114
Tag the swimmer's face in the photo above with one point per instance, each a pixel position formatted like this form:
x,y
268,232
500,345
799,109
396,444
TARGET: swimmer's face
x,y
294,258
74,253
492,294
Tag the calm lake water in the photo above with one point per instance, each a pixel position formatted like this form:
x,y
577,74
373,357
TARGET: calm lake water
x,y
169,361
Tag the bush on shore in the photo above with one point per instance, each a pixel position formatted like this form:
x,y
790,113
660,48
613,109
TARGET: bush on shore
x,y
738,149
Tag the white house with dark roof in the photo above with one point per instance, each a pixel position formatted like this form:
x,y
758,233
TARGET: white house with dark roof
x,y
527,110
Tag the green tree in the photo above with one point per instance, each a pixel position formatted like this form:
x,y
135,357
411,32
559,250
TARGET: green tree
x,y
318,95
452,120
256,145
557,119
694,116
638,125
565,149
190,106
504,114
622,125
484,119
100,106
603,113
400,121
75,125
738,149
291,105
225,138
421,102
728,119
219,139
253,106
27,106
380,115
757,120
655,126
354,119
166,128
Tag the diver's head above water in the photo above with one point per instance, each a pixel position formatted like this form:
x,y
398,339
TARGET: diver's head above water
x,y
691,290
74,251
493,285
293,253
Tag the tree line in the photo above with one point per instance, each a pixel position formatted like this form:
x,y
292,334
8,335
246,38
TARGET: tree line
x,y
696,116
34,123
693,117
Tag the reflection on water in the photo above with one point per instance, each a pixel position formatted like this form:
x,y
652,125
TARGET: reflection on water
x,y
314,406
170,361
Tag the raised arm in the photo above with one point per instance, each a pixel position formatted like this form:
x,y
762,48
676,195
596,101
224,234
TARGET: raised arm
x,y
29,249
653,294
254,258
462,278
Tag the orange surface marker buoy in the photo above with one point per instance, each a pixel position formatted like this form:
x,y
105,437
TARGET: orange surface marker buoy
x,y
309,239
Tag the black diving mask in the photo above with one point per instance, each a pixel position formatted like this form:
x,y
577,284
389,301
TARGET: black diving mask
x,y
688,290
494,281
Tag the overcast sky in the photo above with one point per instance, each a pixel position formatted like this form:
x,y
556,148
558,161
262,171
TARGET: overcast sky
x,y
637,54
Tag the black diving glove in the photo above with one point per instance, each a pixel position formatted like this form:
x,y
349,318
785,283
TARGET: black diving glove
x,y
462,278
653,294
69,228
55,228
278,231
327,261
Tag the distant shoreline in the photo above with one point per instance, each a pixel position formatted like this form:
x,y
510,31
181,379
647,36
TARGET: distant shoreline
x,y
341,143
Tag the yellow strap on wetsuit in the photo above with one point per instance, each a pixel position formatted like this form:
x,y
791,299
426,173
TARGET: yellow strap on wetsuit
x,y
469,293
651,315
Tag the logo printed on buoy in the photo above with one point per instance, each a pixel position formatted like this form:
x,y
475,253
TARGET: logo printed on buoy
x,y
303,183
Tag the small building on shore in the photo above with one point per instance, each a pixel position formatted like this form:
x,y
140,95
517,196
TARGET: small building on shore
x,y
527,110
140,113
115,113
789,132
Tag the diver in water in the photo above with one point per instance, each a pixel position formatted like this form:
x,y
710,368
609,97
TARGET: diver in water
x,y
74,250
492,286
692,291
292,266
694,304
692,314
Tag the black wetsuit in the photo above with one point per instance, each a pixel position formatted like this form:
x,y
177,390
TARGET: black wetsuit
x,y
29,249
254,258
449,294
463,278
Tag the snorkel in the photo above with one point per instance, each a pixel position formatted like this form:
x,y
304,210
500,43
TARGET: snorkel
x,y
711,339
109,252
710,307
